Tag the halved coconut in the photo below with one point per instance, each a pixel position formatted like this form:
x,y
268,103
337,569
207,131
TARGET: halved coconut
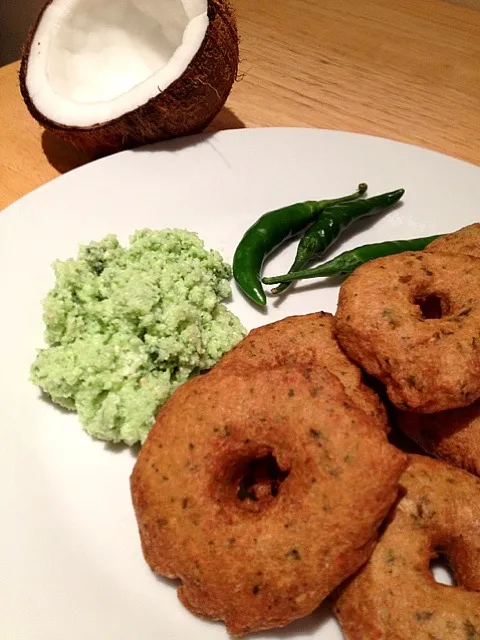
x,y
112,74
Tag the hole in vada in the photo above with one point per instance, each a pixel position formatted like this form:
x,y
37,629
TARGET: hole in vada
x,y
260,479
441,570
432,305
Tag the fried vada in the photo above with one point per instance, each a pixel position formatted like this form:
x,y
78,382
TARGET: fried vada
x,y
413,321
262,492
465,241
453,436
395,596
309,340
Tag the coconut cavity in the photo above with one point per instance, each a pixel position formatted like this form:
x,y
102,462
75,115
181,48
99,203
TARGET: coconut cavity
x,y
91,63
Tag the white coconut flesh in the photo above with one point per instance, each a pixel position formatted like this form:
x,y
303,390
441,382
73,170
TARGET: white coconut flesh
x,y
93,60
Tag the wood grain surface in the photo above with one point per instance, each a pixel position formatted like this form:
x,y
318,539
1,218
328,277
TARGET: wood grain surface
x,y
407,70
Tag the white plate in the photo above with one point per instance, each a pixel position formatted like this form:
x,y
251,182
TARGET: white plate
x,y
70,561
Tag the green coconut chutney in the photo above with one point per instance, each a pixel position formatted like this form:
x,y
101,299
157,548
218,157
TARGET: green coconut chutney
x,y
126,326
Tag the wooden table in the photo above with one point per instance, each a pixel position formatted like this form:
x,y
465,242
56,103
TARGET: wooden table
x,y
403,69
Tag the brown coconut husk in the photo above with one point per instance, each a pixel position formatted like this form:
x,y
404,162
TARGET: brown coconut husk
x,y
186,107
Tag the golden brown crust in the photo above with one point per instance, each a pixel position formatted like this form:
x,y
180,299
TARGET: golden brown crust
x,y
304,339
453,436
261,563
394,596
465,241
185,107
387,322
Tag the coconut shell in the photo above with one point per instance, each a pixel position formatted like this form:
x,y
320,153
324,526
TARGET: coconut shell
x,y
185,107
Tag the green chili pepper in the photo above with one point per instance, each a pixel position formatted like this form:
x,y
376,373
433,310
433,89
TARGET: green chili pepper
x,y
346,263
331,224
270,231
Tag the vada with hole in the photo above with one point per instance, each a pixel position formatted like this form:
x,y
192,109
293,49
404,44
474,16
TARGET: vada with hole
x,y
395,596
413,321
262,491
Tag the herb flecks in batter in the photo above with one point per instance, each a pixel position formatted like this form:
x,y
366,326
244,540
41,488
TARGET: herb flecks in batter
x,y
421,616
390,557
471,632
335,472
465,312
391,316
412,382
